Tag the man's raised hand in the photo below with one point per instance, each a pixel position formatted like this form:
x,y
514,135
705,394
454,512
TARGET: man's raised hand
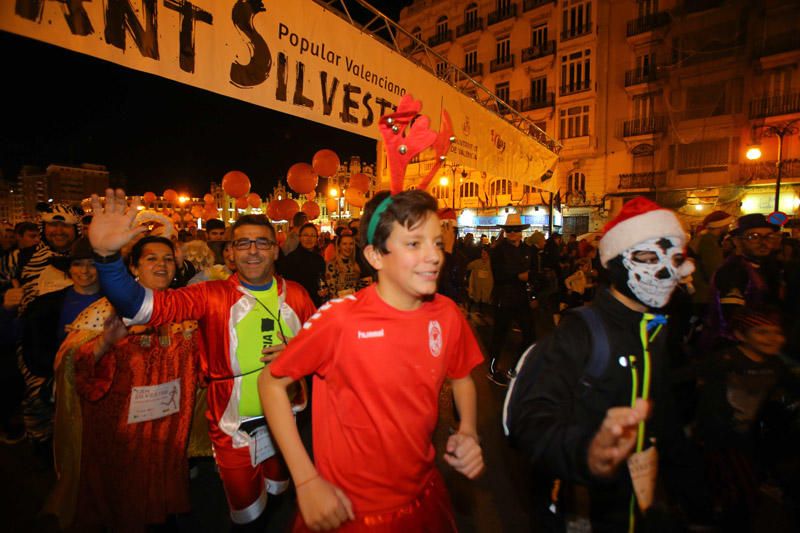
x,y
112,225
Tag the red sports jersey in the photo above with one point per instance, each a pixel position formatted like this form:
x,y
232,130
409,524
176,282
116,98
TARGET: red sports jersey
x,y
377,373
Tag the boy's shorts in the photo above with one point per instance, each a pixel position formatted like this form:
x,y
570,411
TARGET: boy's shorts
x,y
431,512
246,486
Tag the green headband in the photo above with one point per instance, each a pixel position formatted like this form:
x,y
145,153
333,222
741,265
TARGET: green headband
x,y
376,217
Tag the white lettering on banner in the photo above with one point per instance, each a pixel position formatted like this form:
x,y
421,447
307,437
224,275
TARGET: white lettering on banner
x,y
154,401
255,51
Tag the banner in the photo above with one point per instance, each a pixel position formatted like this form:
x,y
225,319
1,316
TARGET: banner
x,y
292,56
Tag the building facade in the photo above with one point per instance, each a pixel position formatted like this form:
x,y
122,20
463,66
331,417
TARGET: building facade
x,y
654,97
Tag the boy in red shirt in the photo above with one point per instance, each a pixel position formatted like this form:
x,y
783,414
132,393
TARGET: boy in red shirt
x,y
379,359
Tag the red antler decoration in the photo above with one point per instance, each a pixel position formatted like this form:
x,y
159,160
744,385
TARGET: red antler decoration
x,y
402,146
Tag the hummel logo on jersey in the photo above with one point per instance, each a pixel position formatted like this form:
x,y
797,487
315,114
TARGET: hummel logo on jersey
x,y
370,334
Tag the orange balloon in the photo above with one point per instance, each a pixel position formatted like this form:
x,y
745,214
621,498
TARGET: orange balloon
x,y
301,178
287,208
273,210
325,163
241,203
171,195
311,209
208,198
149,197
176,217
331,203
359,182
355,197
210,213
311,195
254,200
236,184
197,211
188,217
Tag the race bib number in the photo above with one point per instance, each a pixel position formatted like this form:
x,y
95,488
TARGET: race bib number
x,y
154,401
261,447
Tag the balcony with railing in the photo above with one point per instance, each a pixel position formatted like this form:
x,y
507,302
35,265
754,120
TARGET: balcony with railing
x,y
644,126
778,44
768,170
770,106
469,26
574,87
642,180
501,63
537,51
527,5
648,23
507,12
535,101
638,76
443,36
473,70
576,31
413,47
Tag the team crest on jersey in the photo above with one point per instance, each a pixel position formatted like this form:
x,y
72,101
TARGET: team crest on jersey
x,y
435,338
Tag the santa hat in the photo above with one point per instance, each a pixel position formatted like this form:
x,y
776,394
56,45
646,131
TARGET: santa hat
x,y
640,220
717,219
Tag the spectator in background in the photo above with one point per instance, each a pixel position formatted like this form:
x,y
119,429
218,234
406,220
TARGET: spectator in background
x,y
481,281
305,264
215,229
706,249
8,240
293,235
342,273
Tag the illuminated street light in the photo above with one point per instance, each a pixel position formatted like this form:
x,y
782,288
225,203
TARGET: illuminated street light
x,y
753,152
443,181
183,199
334,193
779,131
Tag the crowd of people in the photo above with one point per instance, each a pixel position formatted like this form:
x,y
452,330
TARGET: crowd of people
x,y
128,350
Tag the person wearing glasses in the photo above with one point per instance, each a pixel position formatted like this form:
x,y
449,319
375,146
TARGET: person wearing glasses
x,y
244,320
746,278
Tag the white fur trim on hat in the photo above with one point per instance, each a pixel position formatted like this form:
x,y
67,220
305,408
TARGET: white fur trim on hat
x,y
640,228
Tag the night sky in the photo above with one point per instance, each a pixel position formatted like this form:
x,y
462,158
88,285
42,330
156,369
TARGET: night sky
x,y
61,107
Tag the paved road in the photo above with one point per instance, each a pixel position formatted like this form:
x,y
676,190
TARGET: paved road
x,y
496,502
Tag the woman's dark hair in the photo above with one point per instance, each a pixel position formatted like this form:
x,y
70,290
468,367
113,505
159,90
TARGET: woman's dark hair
x,y
407,208
136,251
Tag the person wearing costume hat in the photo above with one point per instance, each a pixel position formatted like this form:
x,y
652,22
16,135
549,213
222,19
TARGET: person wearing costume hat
x,y
579,416
706,249
750,276
511,263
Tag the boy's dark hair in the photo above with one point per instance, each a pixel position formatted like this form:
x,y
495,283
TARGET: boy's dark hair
x,y
407,208
214,223
22,227
308,225
299,219
253,220
136,251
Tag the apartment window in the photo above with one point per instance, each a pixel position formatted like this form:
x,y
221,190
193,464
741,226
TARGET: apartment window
x,y
502,91
645,64
576,182
503,5
441,26
711,100
539,89
441,192
643,106
441,69
575,71
471,61
539,36
573,122
468,190
703,156
471,15
503,49
647,7
576,18
643,160
501,186
778,82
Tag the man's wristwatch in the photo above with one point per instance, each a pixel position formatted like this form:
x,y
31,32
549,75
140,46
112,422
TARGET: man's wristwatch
x,y
107,258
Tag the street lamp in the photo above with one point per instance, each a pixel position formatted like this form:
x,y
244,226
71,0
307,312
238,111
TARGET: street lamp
x,y
779,131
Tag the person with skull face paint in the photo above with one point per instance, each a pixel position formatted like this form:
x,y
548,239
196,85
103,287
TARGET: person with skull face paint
x,y
581,428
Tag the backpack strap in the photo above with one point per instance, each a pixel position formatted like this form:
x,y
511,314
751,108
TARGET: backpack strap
x,y
601,351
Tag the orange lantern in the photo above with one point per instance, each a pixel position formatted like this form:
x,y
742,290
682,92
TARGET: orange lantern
x,y
171,195
331,204
208,198
241,203
301,178
355,197
149,197
311,209
273,211
325,163
359,182
254,200
236,184
287,208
